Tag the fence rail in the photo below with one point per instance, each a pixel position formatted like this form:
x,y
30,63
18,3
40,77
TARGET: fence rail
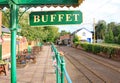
x,y
59,64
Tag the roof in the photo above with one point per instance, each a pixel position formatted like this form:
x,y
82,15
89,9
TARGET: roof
x,y
5,30
79,30
67,36
48,5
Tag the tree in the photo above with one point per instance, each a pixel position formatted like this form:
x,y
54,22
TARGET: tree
x,y
119,38
109,38
63,32
6,18
116,30
100,29
52,33
111,25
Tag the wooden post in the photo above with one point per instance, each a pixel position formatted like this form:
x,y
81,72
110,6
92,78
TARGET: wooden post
x,y
94,30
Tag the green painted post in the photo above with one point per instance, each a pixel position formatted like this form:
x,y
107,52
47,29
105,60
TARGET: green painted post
x,y
58,75
62,69
59,66
13,26
57,72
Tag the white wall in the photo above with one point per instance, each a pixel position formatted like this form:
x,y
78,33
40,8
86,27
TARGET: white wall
x,y
84,34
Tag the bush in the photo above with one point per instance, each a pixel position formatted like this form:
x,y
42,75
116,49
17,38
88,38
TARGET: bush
x,y
76,39
89,47
76,43
95,48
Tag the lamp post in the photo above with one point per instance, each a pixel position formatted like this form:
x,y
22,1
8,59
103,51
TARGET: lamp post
x,y
13,27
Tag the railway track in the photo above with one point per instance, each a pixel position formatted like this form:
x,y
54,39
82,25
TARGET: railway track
x,y
112,66
73,63
105,63
73,59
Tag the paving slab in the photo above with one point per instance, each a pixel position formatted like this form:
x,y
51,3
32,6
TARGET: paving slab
x,y
40,72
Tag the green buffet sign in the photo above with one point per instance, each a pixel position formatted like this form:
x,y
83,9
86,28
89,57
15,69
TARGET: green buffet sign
x,y
42,2
55,18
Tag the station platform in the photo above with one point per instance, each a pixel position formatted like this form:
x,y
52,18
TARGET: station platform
x,y
40,72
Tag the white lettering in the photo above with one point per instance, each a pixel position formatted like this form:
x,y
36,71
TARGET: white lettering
x,y
44,18
36,18
53,17
76,16
68,17
60,17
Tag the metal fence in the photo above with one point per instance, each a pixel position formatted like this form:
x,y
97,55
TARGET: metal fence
x,y
59,63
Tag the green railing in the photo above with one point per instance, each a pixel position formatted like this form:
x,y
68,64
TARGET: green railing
x,y
59,64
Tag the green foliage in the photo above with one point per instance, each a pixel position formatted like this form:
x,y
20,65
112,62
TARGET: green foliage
x,y
109,38
100,29
88,47
108,32
108,50
47,33
119,39
63,32
91,47
52,33
96,48
6,18
116,30
76,39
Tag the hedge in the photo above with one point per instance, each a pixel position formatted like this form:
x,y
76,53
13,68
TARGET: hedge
x,y
108,51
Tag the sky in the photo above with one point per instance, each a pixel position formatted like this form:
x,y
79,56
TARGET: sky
x,y
108,10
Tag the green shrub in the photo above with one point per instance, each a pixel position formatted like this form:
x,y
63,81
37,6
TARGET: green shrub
x,y
76,43
95,48
89,47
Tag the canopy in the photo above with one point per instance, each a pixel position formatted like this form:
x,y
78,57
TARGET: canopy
x,y
42,3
